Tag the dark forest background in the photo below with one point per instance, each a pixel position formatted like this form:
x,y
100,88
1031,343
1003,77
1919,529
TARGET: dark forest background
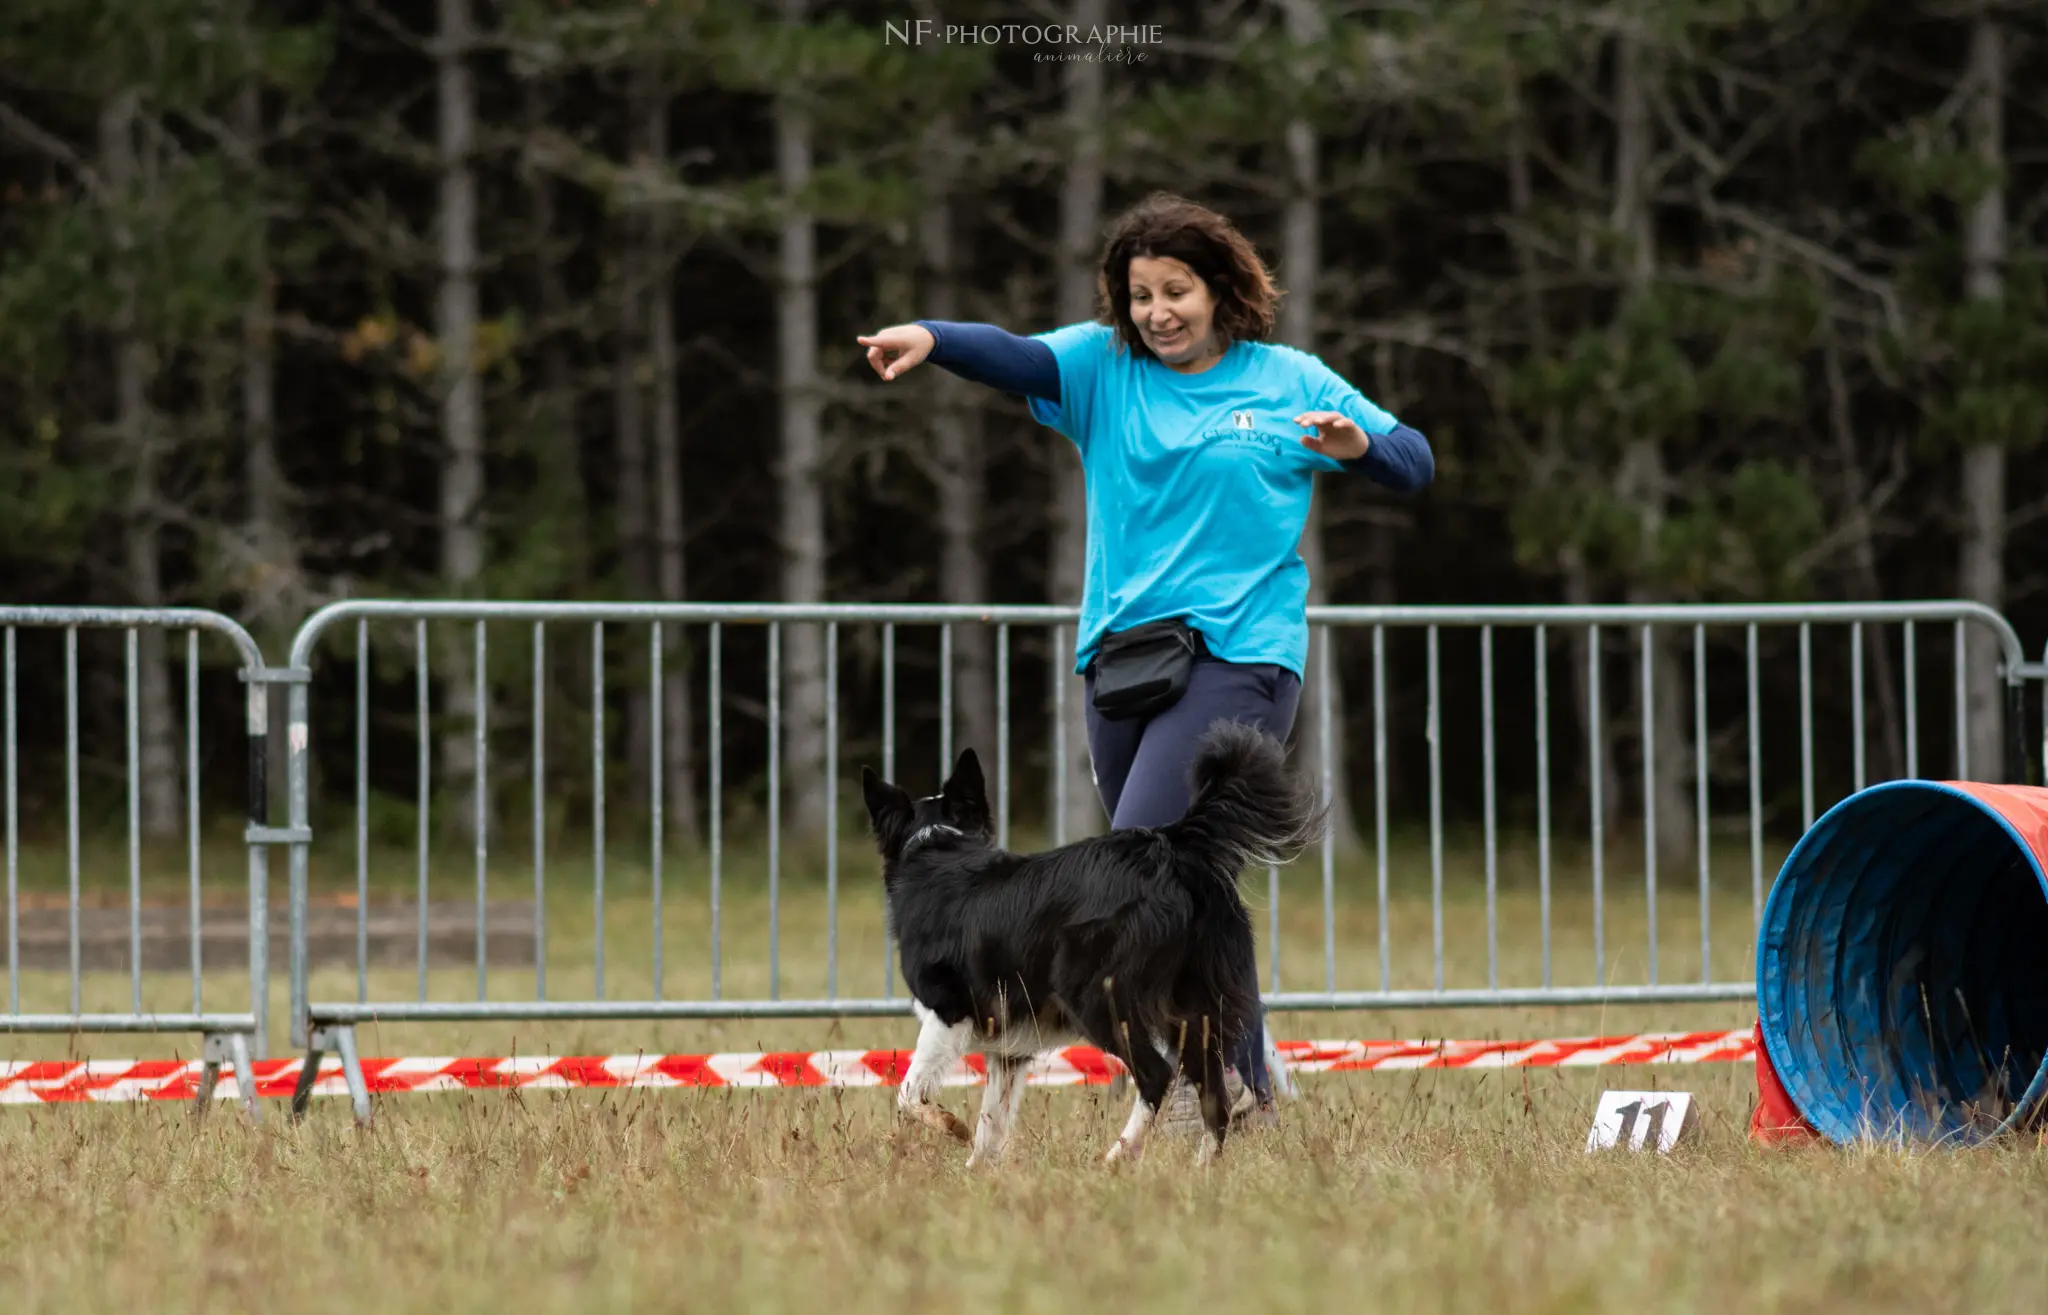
x,y
1698,300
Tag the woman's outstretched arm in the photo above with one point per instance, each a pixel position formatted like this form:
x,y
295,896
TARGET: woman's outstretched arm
x,y
981,353
1399,459
989,355
1380,448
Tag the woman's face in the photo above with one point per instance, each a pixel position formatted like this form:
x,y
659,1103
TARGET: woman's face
x,y
1173,310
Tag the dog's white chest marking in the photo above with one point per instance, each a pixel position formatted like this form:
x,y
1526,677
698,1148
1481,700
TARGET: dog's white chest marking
x,y
925,833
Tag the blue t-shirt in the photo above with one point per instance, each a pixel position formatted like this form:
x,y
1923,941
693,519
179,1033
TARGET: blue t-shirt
x,y
1198,488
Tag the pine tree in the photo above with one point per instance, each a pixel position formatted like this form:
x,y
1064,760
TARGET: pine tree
x,y
138,268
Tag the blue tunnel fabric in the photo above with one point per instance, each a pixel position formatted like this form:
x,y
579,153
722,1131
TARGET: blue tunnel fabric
x,y
1902,969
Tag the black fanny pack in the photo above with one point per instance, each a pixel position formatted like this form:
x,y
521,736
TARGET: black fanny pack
x,y
1144,670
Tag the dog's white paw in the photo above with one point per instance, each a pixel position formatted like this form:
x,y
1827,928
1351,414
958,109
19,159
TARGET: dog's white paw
x,y
1123,1152
1206,1153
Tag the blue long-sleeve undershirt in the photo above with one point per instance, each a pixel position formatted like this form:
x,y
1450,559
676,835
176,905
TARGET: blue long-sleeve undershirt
x,y
986,354
1399,459
995,357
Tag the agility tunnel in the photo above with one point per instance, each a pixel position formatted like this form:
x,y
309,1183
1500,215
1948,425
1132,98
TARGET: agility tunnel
x,y
1902,965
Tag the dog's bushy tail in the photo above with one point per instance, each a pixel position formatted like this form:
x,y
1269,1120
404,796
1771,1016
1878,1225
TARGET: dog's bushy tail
x,y
1247,806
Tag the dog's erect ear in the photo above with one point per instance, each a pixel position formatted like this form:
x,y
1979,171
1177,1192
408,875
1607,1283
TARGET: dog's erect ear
x,y
966,794
965,782
885,801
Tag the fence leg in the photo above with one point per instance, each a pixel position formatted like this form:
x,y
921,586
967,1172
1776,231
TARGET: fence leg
x,y
341,1040
245,1075
352,1072
230,1048
1276,1068
302,1094
2017,770
209,1077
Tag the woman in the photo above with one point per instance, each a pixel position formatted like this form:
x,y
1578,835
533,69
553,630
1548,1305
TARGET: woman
x,y
1198,493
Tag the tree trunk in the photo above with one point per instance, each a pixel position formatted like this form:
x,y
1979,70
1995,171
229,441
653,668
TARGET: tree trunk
x,y
462,436
957,456
1644,478
561,495
1382,554
276,590
1981,569
801,475
1578,592
556,450
678,735
1301,264
1863,557
1080,240
1577,577
1577,580
629,435
135,426
1383,588
1671,782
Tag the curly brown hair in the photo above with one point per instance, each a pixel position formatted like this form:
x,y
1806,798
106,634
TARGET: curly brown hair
x,y
1166,226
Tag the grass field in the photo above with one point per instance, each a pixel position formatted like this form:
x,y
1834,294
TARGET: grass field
x,y
1433,1192
1415,1191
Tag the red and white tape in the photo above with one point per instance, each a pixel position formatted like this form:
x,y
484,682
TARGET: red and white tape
x,y
1573,1052
26,1083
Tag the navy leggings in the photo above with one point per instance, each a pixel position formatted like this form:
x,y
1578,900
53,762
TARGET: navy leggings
x,y
1141,767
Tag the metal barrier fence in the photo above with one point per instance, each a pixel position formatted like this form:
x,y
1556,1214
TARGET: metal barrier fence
x,y
2038,673
225,1034
1652,648
1650,628
323,1026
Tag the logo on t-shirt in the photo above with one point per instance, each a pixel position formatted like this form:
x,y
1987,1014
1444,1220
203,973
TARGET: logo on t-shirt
x,y
1244,434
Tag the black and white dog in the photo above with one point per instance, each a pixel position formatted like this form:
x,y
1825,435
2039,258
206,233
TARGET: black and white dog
x,y
1136,942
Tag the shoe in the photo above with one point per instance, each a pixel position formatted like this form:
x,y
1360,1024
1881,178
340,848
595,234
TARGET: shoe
x,y
1254,1117
1237,1097
1183,1111
1182,1114
1247,1111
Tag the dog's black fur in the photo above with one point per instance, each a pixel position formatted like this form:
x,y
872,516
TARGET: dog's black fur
x,y
1119,939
